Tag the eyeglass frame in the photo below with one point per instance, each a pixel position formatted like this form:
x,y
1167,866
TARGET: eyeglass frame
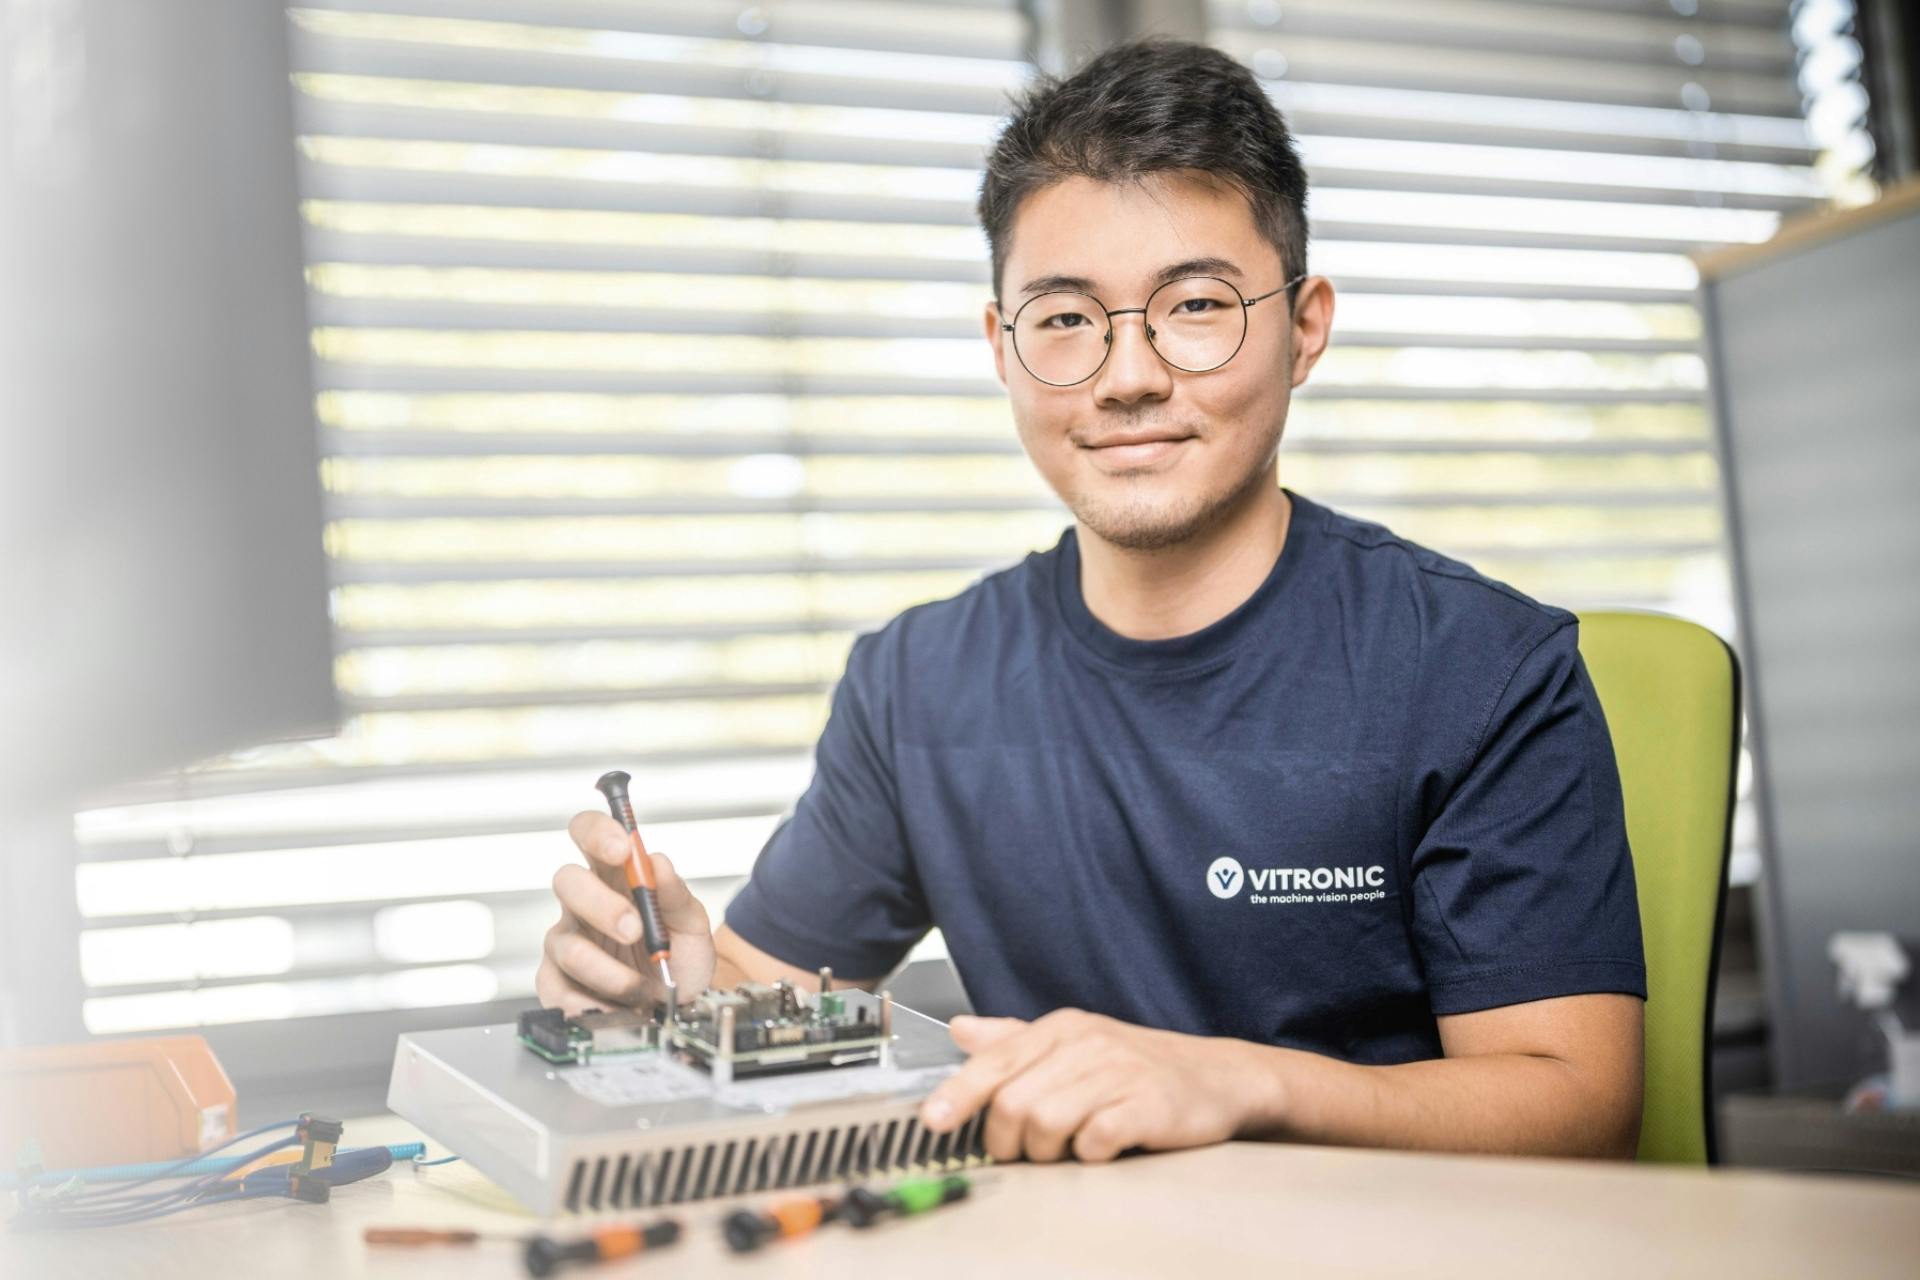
x,y
1246,303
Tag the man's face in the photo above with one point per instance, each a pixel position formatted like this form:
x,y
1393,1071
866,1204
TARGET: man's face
x,y
1144,455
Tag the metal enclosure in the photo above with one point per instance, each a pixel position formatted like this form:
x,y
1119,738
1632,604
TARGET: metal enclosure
x,y
517,1119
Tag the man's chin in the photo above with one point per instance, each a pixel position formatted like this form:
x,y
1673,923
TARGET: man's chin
x,y
1138,525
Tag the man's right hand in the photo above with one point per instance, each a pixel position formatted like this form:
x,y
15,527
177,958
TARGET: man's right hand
x,y
593,957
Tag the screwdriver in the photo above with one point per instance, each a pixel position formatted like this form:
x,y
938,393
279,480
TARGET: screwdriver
x,y
745,1230
639,876
864,1207
545,1254
419,1237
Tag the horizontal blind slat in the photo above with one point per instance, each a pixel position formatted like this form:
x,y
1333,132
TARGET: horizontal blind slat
x,y
409,61
975,28
1576,31
1395,65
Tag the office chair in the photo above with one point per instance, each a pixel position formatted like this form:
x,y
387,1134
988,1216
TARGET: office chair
x,y
1671,693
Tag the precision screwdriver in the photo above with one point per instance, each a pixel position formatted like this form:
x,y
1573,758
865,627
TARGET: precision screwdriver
x,y
745,1230
640,881
863,1206
544,1254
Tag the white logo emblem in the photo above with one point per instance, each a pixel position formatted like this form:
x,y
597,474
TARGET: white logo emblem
x,y
1224,878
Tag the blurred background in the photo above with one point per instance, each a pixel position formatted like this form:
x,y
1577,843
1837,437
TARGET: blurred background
x,y
646,373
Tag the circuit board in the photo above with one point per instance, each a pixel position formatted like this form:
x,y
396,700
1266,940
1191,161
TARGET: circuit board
x,y
592,1036
753,1029
762,1028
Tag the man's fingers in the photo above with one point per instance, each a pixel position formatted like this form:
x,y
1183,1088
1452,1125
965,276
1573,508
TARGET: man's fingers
x,y
592,969
603,841
974,1033
966,1090
591,901
1104,1134
680,911
1051,1124
606,844
1035,1113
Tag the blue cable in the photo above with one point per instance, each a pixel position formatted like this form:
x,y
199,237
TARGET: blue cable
x,y
118,1200
202,1164
100,1210
178,1167
109,1200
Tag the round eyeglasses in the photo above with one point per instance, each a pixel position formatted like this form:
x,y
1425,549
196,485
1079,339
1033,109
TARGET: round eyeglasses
x,y
1195,323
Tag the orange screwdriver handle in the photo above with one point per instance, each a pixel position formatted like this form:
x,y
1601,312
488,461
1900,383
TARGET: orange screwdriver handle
x,y
640,881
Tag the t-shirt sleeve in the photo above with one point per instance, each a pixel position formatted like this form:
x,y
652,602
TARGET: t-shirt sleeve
x,y
1523,883
835,884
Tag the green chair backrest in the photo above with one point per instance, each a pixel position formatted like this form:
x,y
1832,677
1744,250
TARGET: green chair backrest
x,y
1671,693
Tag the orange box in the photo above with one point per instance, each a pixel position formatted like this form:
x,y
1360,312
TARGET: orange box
x,y
114,1101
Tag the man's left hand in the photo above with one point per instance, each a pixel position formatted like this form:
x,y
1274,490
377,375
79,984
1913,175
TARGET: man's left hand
x,y
1090,1086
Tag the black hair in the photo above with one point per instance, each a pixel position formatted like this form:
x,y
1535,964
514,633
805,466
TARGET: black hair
x,y
1148,107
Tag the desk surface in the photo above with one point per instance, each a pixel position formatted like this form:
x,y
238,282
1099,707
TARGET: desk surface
x,y
1239,1209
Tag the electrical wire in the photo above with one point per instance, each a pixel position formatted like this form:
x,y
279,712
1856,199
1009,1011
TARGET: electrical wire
x,y
178,1167
102,1209
114,1199
401,1151
71,1205
97,1200
120,1204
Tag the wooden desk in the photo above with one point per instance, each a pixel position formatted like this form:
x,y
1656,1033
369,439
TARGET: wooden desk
x,y
1243,1209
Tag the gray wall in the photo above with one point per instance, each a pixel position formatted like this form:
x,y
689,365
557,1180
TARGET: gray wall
x,y
1816,352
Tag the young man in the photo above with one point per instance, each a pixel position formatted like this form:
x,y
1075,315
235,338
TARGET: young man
x,y
1241,817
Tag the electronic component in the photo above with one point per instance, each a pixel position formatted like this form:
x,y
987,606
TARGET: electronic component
x,y
766,1028
594,1034
757,1028
637,1130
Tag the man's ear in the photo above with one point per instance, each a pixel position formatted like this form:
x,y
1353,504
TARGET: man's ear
x,y
1312,325
996,338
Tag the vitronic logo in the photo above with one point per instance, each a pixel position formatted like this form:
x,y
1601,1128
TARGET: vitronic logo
x,y
1226,877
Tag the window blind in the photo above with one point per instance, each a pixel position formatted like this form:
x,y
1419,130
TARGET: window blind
x,y
648,340
647,344
1507,192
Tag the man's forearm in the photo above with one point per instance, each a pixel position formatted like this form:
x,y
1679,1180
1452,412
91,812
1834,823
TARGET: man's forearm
x,y
1519,1104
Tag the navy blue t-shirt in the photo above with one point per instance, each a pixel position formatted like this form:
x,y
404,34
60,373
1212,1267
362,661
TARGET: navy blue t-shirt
x,y
1379,791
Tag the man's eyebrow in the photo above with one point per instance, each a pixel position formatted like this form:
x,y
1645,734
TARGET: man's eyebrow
x,y
1173,271
1058,284
1197,267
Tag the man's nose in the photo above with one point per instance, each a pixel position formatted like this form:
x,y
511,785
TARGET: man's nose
x,y
1134,371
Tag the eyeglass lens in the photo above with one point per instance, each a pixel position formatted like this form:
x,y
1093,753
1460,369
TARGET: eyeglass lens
x,y
1196,324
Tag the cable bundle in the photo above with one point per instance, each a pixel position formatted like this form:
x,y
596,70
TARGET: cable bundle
x,y
71,1205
